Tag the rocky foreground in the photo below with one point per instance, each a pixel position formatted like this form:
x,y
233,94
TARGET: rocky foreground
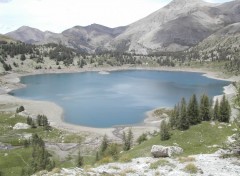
x,y
204,164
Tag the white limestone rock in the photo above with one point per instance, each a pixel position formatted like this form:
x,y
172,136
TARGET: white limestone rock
x,y
21,126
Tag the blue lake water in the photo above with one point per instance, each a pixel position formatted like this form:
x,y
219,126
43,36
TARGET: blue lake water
x,y
119,98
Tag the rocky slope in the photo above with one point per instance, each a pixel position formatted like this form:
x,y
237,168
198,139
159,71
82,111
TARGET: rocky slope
x,y
177,26
91,37
88,38
227,37
174,27
4,38
207,164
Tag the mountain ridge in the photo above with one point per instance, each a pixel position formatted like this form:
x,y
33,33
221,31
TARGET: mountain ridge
x,y
177,26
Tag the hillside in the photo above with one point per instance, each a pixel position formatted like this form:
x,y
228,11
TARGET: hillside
x,y
224,45
4,39
175,27
88,38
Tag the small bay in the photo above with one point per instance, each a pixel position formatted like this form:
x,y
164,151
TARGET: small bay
x,y
119,98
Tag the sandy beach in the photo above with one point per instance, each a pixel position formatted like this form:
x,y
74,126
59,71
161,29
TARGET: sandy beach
x,y
54,112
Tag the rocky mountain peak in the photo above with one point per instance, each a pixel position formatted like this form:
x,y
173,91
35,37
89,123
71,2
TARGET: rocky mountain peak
x,y
177,26
186,3
27,28
179,2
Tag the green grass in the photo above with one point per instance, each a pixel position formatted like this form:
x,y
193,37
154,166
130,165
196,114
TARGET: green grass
x,y
196,140
12,161
160,162
8,135
191,168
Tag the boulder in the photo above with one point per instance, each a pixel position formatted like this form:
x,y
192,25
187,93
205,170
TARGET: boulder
x,y
162,151
236,151
20,126
174,150
223,152
159,151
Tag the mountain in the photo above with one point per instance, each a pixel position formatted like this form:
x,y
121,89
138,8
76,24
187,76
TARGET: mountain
x,y
27,34
4,39
91,37
87,38
177,26
224,40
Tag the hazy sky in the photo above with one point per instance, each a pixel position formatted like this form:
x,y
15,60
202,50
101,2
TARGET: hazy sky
x,y
58,15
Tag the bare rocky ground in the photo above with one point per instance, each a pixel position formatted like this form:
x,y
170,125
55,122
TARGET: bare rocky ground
x,y
206,165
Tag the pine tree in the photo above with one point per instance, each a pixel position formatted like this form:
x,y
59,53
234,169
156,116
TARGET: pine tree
x,y
29,120
25,143
142,138
124,140
20,109
40,156
104,144
79,160
173,118
127,140
193,111
164,131
225,110
216,112
97,157
177,115
43,121
183,123
113,151
33,125
205,113
23,57
39,120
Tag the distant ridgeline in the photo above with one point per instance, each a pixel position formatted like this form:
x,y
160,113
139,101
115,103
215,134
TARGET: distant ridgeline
x,y
17,55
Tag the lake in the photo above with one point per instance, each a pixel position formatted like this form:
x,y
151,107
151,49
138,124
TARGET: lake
x,y
119,98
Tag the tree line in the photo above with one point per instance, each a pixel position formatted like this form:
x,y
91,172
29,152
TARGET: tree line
x,y
41,158
112,149
194,112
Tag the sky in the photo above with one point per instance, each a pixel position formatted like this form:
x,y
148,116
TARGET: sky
x,y
59,15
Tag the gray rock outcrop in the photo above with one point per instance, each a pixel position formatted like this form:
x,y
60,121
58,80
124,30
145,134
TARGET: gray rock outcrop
x,y
162,151
20,126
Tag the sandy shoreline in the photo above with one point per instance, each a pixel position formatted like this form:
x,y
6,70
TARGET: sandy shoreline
x,y
55,113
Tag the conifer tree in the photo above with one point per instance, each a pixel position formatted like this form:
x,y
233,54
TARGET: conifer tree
x,y
173,118
177,117
193,111
79,159
97,157
183,123
104,144
23,57
164,131
216,111
40,156
127,140
43,121
113,151
29,120
205,113
225,110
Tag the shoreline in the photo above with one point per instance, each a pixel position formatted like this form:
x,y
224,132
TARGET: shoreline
x,y
12,81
